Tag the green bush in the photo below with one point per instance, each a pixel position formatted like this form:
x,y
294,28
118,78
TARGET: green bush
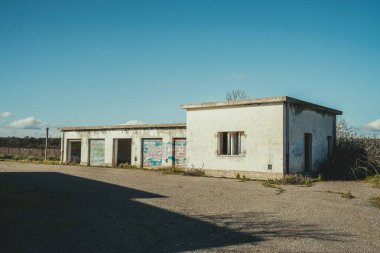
x,y
34,158
6,156
53,158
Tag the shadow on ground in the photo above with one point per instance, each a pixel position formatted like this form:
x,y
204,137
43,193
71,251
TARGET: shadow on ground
x,y
53,212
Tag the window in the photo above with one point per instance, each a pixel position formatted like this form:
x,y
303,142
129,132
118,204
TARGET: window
x,y
229,143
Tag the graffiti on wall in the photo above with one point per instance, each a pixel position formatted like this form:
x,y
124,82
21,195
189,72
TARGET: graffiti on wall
x,y
152,153
155,151
296,154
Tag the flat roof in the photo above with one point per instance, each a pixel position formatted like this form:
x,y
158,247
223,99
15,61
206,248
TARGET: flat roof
x,y
260,101
126,127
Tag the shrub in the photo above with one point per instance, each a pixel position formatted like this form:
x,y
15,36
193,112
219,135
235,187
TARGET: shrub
x,y
375,179
127,166
292,179
194,172
171,170
18,157
53,158
355,156
34,158
347,195
6,156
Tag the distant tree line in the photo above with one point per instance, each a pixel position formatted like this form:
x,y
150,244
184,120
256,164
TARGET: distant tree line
x,y
29,142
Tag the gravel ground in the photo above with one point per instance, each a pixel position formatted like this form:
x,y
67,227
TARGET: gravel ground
x,y
47,208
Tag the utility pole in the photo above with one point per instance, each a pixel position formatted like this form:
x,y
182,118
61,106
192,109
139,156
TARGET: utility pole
x,y
46,142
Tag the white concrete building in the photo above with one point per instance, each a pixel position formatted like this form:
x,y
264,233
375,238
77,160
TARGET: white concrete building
x,y
258,138
138,145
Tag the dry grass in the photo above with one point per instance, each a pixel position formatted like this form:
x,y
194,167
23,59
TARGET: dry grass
x,y
375,201
346,195
294,179
51,162
279,189
375,180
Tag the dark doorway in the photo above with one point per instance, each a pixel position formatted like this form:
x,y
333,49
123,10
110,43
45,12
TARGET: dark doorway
x,y
73,151
308,152
329,146
122,151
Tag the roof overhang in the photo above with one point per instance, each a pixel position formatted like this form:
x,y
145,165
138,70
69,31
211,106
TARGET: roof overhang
x,y
261,101
126,127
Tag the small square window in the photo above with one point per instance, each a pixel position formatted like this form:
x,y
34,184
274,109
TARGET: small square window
x,y
230,143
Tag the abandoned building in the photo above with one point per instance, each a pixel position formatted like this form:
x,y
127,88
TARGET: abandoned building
x,y
258,138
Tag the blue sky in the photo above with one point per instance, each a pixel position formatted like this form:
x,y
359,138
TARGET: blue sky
x,y
107,62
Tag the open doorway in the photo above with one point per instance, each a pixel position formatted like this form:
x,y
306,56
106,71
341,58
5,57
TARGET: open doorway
x,y
122,151
74,151
308,152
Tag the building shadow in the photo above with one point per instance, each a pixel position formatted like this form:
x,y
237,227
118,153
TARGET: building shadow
x,y
267,227
53,212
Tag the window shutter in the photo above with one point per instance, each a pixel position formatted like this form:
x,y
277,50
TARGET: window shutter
x,y
218,148
242,143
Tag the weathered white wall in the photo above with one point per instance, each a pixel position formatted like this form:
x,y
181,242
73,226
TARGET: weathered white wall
x,y
263,126
302,121
136,135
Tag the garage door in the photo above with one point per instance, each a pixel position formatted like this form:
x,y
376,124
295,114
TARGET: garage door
x,y
152,152
97,152
179,152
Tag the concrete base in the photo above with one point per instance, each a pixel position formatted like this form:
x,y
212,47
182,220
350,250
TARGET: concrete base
x,y
247,174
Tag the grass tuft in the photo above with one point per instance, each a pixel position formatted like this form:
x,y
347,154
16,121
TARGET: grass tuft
x,y
128,166
375,179
195,172
293,179
279,189
346,195
375,201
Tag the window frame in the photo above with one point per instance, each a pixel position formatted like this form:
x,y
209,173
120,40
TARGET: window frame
x,y
234,141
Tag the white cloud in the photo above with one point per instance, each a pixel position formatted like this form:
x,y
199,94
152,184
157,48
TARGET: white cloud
x,y
27,123
134,122
374,125
6,114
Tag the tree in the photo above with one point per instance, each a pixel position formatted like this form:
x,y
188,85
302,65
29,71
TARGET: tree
x,y
237,94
